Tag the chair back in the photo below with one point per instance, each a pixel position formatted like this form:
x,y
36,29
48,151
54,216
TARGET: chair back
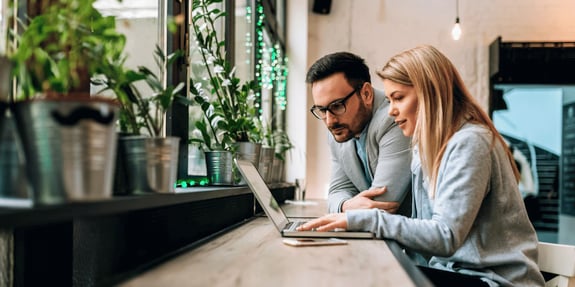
x,y
557,259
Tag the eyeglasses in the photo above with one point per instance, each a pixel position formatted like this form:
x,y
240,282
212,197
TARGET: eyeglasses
x,y
336,108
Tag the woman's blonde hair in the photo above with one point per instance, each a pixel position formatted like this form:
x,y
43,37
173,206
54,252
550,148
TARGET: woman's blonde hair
x,y
444,104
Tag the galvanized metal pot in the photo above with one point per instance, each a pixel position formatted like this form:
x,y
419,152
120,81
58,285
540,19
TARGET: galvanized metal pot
x,y
3,108
69,147
278,170
162,163
248,151
146,164
13,180
265,165
219,167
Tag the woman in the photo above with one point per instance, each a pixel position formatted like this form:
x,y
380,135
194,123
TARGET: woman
x,y
468,215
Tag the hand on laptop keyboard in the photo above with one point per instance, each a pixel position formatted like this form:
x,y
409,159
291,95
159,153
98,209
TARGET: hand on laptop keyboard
x,y
328,222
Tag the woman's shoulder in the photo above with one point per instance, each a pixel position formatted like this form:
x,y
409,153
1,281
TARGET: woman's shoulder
x,y
472,131
471,137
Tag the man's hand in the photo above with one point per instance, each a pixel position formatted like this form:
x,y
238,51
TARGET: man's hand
x,y
364,200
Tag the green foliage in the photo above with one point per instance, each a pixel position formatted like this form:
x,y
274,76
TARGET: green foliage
x,y
139,111
71,38
228,106
278,140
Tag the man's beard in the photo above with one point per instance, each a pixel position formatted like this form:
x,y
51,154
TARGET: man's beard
x,y
364,115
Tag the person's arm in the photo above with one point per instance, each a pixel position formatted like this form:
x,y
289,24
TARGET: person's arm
x,y
393,163
344,194
461,187
392,172
340,188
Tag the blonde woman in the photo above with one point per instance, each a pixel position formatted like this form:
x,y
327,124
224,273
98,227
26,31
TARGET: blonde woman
x,y
468,214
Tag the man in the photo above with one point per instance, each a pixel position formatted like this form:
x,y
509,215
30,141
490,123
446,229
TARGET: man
x,y
370,155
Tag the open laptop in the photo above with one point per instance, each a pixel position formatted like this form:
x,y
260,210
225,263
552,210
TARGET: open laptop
x,y
274,212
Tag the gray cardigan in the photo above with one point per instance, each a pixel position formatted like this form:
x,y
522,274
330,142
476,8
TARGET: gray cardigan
x,y
388,155
476,224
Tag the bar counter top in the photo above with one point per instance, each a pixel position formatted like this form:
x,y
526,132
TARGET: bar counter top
x,y
253,254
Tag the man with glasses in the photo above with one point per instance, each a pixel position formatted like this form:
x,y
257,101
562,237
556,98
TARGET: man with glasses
x,y
370,155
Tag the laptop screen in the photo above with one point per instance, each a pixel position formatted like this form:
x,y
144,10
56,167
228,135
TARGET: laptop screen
x,y
262,193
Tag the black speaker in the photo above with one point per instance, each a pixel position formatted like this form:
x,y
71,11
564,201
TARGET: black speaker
x,y
321,6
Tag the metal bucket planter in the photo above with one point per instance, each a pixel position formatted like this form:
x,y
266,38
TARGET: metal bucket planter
x,y
146,165
219,167
131,171
13,181
265,166
248,151
162,163
3,108
69,147
277,170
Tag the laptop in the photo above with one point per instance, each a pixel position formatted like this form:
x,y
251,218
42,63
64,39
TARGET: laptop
x,y
275,213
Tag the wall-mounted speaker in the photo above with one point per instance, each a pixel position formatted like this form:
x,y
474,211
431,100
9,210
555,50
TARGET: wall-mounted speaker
x,y
321,6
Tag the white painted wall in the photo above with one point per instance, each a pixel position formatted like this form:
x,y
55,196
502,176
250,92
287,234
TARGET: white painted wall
x,y
298,119
378,29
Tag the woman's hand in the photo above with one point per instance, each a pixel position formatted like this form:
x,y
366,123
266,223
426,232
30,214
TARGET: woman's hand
x,y
326,223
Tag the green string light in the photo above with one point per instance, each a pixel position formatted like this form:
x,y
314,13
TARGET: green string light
x,y
259,47
271,65
192,182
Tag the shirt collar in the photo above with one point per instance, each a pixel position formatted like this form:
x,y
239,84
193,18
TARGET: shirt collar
x,y
362,136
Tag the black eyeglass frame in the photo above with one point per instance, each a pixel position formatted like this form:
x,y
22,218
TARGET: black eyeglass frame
x,y
326,109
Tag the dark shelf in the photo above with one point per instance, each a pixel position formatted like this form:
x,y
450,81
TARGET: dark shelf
x,y
91,243
39,215
531,62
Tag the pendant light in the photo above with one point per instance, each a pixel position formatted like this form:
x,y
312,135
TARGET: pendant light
x,y
456,31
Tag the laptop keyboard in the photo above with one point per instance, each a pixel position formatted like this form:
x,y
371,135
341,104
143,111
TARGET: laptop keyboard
x,y
293,225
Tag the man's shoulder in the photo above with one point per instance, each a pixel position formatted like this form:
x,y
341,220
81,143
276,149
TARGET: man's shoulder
x,y
380,105
381,117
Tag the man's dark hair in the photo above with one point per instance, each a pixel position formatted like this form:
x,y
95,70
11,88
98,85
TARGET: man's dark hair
x,y
352,66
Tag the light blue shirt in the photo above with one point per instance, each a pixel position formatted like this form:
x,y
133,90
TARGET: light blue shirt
x,y
360,149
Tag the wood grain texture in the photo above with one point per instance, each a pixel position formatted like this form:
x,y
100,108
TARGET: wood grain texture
x,y
254,255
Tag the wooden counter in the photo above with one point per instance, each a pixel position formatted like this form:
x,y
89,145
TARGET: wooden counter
x,y
253,255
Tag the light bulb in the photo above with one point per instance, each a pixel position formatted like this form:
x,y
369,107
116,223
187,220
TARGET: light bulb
x,y
456,31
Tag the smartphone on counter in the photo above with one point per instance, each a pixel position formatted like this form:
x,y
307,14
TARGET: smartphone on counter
x,y
313,241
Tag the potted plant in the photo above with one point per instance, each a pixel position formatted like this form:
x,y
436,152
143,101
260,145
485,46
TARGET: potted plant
x,y
150,158
68,136
230,115
281,144
267,152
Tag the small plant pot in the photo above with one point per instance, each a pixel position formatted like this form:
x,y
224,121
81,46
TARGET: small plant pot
x,y
162,163
219,167
3,108
147,165
277,170
13,181
69,147
248,151
265,166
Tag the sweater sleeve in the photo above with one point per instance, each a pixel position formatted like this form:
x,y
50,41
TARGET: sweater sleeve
x,y
393,164
341,187
461,186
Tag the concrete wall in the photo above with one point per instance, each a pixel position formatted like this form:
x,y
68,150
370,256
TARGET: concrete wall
x,y
378,29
